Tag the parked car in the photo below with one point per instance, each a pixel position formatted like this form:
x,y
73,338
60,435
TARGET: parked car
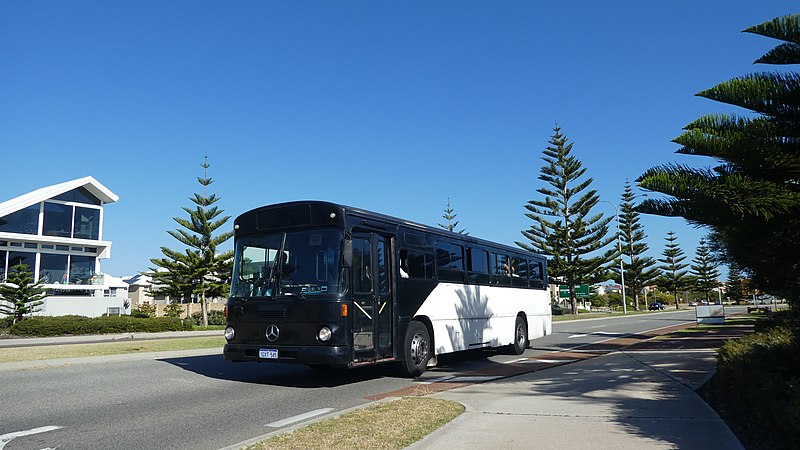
x,y
656,306
556,310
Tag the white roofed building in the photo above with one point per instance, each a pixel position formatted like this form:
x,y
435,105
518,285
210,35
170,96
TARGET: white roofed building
x,y
58,232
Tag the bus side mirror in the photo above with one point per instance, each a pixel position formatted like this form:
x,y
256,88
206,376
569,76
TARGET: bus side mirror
x,y
347,253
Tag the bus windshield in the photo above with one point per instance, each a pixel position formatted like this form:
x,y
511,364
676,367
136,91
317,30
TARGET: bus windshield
x,y
299,263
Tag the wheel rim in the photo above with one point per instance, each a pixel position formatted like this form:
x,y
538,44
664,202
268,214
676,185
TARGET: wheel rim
x,y
520,335
419,349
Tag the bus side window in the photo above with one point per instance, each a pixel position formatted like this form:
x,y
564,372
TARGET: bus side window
x,y
450,262
418,264
500,270
478,266
519,272
536,275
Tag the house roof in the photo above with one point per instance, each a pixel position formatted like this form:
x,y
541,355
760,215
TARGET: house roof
x,y
31,198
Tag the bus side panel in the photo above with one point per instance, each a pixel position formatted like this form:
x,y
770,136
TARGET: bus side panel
x,y
467,316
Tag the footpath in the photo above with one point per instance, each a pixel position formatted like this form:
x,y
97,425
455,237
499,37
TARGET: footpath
x,y
630,393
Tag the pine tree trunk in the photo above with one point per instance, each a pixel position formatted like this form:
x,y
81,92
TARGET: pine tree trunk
x,y
204,308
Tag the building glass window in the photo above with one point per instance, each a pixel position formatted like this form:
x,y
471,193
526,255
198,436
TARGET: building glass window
x,y
87,223
81,269
57,220
25,221
79,195
3,255
27,258
53,268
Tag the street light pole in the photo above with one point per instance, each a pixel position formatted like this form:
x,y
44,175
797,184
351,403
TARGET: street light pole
x,y
621,266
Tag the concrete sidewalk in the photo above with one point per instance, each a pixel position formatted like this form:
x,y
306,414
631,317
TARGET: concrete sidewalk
x,y
623,400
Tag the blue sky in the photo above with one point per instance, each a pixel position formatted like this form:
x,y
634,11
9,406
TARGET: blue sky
x,y
392,107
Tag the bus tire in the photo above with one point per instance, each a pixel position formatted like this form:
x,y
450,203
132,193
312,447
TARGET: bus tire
x,y
416,349
520,336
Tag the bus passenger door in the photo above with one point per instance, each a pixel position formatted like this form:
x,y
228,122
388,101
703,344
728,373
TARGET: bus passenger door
x,y
372,299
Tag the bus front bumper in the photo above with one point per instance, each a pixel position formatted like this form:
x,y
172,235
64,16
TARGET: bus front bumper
x,y
301,354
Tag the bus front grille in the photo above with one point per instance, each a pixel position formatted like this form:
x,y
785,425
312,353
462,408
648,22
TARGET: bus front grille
x,y
272,314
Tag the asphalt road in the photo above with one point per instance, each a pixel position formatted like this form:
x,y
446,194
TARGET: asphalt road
x,y
205,402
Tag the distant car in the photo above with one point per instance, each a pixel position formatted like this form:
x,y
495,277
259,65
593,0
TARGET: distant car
x,y
557,310
692,303
656,306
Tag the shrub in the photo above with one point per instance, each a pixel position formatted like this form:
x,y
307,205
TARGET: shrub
x,y
6,322
598,300
614,300
214,318
144,311
77,325
760,373
173,310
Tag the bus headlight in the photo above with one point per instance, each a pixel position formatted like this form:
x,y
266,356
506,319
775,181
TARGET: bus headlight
x,y
229,333
324,334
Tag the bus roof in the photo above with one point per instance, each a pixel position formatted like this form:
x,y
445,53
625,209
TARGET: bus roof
x,y
349,210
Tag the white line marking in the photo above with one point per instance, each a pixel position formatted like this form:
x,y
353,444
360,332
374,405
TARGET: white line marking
x,y
436,380
471,379
577,335
515,361
551,361
298,418
656,352
8,437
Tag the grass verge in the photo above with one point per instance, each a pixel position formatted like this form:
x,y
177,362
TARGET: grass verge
x,y
730,322
387,425
108,348
592,315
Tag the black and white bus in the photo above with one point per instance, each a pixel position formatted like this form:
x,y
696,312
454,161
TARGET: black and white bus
x,y
328,285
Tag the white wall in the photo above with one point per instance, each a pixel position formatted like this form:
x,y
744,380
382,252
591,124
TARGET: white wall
x,y
80,306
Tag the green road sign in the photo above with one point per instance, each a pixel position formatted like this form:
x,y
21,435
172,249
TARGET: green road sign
x,y
581,291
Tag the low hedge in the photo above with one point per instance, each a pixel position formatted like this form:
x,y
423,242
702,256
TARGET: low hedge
x,y
76,325
214,318
759,375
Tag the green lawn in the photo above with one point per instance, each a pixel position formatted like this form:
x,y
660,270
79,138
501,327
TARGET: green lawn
x,y
108,348
385,425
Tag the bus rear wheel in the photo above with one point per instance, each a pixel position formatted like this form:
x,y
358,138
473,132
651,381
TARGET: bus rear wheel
x,y
520,337
416,349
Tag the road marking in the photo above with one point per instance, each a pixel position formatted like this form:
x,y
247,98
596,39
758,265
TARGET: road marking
x,y
551,361
471,379
6,438
514,361
436,380
299,418
577,335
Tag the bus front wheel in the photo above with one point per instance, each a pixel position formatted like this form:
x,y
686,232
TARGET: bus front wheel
x,y
417,349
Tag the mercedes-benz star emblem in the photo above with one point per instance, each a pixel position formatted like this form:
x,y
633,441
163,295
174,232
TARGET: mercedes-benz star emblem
x,y
273,332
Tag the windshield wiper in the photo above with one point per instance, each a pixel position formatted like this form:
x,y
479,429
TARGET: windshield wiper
x,y
298,295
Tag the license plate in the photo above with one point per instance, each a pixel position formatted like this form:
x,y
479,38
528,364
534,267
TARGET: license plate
x,y
268,353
